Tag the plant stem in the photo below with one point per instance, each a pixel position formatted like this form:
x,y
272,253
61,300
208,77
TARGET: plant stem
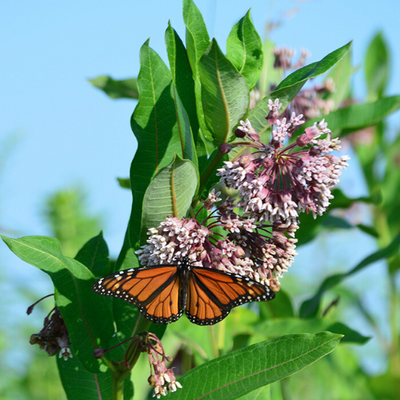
x,y
210,169
117,385
214,343
394,359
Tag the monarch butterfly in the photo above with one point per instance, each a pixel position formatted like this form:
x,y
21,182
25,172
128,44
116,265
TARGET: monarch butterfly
x,y
163,292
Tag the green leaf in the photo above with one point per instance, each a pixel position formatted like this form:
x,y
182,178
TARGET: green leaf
x,y
197,38
310,307
370,230
286,326
358,116
281,307
330,221
385,386
225,95
161,127
311,227
242,371
291,85
80,384
182,76
341,74
263,393
340,200
125,183
376,67
390,187
270,76
87,315
116,89
94,255
169,193
197,41
244,50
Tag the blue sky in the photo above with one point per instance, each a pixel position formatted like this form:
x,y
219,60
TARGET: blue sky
x,y
70,134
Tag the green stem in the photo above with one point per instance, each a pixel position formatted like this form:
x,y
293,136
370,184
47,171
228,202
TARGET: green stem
x,y
207,173
120,372
214,343
394,359
117,386
221,334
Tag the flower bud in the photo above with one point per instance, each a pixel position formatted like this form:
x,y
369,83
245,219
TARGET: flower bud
x,y
98,353
240,133
225,148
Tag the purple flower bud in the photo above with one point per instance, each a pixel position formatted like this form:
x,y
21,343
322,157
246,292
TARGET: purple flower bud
x,y
98,353
239,132
225,148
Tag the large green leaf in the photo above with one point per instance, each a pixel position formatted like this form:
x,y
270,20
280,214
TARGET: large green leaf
x,y
242,371
310,307
197,41
94,255
376,67
244,50
182,76
169,193
116,89
225,95
270,76
281,307
286,326
311,227
80,384
161,127
341,74
385,386
291,85
263,393
358,116
87,315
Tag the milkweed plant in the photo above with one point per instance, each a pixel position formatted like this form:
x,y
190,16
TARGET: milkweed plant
x,y
236,153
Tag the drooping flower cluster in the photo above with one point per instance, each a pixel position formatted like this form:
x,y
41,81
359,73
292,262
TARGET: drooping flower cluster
x,y
224,241
53,338
280,180
162,378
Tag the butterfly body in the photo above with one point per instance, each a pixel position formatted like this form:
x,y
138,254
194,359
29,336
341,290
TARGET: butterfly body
x,y
163,292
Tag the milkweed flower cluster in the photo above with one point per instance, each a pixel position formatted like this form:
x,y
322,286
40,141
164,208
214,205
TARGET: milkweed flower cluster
x,y
280,180
161,378
224,241
53,338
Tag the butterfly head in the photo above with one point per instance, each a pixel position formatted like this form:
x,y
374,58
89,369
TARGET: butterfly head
x,y
184,261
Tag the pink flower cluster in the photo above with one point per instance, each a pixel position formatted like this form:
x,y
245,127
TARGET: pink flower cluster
x,y
225,241
280,180
161,378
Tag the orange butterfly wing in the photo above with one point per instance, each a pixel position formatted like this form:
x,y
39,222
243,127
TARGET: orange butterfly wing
x,y
212,294
155,291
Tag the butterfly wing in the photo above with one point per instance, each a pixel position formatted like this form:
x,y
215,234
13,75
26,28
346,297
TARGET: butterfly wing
x,y
154,290
212,294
